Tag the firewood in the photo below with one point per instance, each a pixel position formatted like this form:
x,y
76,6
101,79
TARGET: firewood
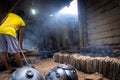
x,y
66,58
61,58
56,57
109,67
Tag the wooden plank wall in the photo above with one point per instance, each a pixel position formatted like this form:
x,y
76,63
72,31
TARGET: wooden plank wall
x,y
103,18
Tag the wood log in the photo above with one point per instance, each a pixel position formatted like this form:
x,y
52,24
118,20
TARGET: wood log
x,y
78,63
30,53
66,58
31,60
56,57
109,67
61,56
73,59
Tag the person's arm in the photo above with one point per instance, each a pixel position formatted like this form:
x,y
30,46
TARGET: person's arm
x,y
21,32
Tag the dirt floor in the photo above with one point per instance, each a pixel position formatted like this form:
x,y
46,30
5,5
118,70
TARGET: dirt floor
x,y
44,66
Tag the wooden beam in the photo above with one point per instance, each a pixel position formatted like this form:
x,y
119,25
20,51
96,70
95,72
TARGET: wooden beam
x,y
82,20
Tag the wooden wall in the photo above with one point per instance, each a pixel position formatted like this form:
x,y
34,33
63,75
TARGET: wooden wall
x,y
103,19
82,22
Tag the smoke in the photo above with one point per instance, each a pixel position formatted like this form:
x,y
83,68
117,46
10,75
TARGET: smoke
x,y
47,32
32,35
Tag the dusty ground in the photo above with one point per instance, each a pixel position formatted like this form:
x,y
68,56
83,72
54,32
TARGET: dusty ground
x,y
44,66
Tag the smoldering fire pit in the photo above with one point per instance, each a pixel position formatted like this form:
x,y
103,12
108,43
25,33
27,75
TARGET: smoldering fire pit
x,y
106,63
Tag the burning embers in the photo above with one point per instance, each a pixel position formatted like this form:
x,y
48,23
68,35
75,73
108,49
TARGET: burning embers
x,y
97,51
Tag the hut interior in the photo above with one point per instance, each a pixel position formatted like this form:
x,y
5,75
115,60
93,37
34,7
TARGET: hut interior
x,y
82,33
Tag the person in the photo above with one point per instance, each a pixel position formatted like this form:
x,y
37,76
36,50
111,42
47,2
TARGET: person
x,y
9,43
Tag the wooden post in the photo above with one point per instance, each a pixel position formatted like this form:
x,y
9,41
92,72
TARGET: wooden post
x,y
82,21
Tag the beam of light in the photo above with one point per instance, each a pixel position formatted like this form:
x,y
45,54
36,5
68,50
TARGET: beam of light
x,y
72,9
33,11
